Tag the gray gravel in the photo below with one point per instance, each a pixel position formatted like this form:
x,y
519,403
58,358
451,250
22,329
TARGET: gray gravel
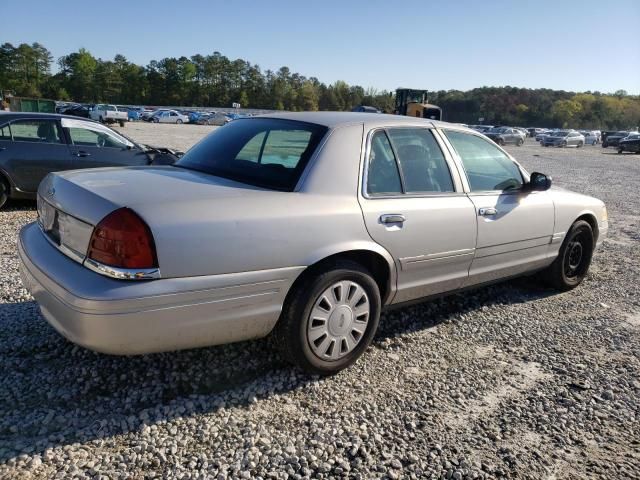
x,y
514,380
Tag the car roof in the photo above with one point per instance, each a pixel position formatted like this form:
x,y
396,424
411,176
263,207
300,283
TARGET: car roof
x,y
338,119
10,116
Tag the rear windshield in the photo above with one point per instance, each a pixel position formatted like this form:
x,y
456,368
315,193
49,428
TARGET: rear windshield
x,y
265,152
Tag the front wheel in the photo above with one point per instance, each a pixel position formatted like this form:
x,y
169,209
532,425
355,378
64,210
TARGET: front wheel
x,y
564,144
574,258
330,318
179,122
520,142
579,145
4,192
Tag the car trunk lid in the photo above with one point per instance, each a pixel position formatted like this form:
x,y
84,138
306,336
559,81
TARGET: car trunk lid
x,y
72,203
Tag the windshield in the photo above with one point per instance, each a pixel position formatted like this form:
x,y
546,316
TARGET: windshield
x,y
265,152
560,133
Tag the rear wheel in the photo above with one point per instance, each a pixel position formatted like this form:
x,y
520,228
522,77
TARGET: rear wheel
x,y
121,123
501,142
620,150
4,191
330,318
564,143
573,261
156,120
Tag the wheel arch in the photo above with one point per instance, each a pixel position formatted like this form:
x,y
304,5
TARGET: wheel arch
x,y
374,258
590,218
4,176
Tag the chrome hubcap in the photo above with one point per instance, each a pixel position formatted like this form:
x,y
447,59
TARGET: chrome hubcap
x,y
338,320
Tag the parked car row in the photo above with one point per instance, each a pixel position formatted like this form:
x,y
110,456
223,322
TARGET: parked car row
x,y
120,114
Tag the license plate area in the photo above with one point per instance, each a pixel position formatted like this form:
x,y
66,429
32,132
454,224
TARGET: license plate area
x,y
48,220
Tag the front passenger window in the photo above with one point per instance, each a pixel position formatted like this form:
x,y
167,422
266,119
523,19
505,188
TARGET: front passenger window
x,y
487,167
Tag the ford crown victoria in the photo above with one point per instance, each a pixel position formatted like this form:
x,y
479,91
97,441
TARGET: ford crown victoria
x,y
303,225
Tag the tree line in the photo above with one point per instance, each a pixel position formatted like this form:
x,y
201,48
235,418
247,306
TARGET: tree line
x,y
217,81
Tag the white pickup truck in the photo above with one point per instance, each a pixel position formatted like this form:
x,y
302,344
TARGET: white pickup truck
x,y
108,114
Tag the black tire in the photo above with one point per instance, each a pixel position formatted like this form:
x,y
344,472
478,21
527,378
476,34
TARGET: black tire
x,y
520,142
620,151
574,258
156,120
121,122
179,122
100,119
501,142
4,192
605,144
290,334
564,143
580,145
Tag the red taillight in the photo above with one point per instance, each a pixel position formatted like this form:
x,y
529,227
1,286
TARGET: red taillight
x,y
123,240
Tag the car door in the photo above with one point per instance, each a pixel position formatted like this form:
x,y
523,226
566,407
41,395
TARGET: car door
x,y
93,145
514,225
414,206
36,148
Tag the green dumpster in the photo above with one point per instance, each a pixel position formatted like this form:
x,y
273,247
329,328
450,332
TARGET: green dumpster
x,y
21,104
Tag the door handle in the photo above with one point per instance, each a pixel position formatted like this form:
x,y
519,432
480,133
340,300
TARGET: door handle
x,y
487,211
388,218
83,154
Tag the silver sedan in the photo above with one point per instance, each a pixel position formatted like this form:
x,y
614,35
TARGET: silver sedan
x,y
302,225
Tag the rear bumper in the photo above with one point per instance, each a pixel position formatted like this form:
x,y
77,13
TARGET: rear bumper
x,y
135,317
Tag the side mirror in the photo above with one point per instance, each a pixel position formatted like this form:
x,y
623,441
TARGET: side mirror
x,y
539,182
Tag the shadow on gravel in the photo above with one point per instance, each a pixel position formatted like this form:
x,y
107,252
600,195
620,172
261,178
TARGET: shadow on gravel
x,y
54,393
18,205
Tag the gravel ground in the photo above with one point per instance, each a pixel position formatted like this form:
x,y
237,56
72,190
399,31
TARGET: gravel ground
x,y
513,380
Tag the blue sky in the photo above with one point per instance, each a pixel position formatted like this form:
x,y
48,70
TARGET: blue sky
x,y
563,44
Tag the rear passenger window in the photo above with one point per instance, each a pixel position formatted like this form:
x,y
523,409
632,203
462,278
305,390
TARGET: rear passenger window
x,y
38,131
5,133
383,177
424,169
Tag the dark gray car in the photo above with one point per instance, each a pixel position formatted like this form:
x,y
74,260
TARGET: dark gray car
x,y
33,145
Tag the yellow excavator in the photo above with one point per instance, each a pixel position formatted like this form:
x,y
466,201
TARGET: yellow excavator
x,y
413,103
